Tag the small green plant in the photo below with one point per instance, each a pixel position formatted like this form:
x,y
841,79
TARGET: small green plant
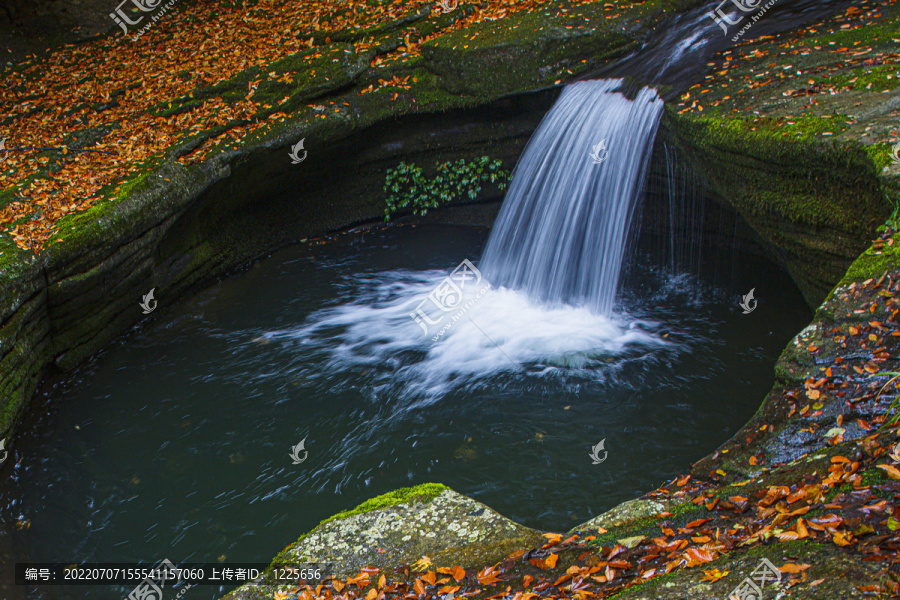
x,y
893,222
895,405
406,186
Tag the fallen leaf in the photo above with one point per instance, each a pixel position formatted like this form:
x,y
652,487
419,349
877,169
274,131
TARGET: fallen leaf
x,y
714,575
891,471
489,575
697,556
793,568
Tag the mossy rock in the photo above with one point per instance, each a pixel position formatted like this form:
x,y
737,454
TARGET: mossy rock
x,y
534,49
627,514
816,204
401,527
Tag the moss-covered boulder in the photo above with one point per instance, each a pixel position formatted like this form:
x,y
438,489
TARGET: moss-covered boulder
x,y
400,528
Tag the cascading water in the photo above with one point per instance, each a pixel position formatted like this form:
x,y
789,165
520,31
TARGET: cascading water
x,y
553,262
562,230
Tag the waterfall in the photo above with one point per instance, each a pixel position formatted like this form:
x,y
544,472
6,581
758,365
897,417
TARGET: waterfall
x,y
563,227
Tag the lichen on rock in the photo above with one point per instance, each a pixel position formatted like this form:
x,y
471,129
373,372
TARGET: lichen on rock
x,y
400,528
627,513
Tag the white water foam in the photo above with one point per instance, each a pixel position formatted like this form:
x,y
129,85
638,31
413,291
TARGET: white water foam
x,y
503,332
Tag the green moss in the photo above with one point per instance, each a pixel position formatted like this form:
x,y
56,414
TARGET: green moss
x,y
765,167
872,35
806,126
648,526
880,154
873,477
129,185
873,263
420,493
876,78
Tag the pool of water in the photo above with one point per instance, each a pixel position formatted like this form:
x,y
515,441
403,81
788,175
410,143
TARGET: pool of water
x,y
175,442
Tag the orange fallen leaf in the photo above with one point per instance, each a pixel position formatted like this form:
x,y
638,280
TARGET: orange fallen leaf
x,y
489,575
793,568
545,563
697,556
696,523
842,538
891,471
714,575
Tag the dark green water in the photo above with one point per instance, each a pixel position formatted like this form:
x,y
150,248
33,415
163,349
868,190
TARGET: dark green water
x,y
174,443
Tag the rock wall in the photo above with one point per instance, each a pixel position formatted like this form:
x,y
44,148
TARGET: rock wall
x,y
175,228
815,203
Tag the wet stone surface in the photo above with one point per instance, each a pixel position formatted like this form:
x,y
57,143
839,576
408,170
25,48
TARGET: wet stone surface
x,y
450,529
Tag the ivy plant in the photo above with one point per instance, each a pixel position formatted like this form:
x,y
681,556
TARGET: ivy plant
x,y
406,186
